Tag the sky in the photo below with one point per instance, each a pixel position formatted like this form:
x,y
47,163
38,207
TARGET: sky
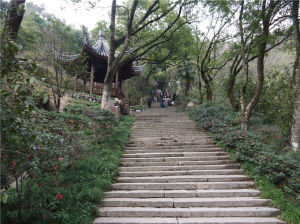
x,y
76,14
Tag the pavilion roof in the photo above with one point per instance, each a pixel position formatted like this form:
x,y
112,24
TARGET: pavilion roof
x,y
100,50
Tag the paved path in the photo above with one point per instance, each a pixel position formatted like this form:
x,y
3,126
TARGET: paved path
x,y
172,173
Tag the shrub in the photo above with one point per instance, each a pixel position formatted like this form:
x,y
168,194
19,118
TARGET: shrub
x,y
283,170
72,159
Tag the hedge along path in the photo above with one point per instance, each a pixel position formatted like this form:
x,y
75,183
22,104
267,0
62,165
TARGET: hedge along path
x,y
173,173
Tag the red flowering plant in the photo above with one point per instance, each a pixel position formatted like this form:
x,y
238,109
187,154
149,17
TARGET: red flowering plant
x,y
100,122
32,157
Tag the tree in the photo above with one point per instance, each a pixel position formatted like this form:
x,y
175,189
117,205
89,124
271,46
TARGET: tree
x,y
14,17
210,56
3,10
267,16
155,13
295,130
56,39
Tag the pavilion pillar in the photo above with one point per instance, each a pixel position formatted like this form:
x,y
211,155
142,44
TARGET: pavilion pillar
x,y
117,80
116,87
92,79
76,81
121,88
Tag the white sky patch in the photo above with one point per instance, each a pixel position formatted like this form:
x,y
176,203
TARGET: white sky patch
x,y
76,14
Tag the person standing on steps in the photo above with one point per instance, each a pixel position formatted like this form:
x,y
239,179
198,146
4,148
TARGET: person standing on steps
x,y
149,100
174,96
161,99
152,94
157,94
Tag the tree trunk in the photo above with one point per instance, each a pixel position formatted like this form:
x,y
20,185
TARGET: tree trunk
x,y
12,24
266,17
13,21
200,92
56,99
84,85
111,66
105,94
295,130
187,87
209,94
245,116
230,94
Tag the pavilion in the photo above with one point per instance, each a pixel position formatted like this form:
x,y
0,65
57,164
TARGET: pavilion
x,y
97,58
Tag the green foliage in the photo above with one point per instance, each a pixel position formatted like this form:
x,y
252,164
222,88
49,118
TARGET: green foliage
x,y
37,24
276,175
72,161
278,89
3,10
290,210
281,169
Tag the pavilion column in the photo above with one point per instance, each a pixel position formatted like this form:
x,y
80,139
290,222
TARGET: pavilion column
x,y
116,89
76,81
117,80
121,88
92,79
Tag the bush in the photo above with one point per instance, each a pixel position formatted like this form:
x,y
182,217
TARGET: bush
x,y
283,170
277,175
72,160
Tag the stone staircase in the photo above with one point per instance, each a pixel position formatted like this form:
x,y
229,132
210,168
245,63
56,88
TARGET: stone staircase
x,y
172,173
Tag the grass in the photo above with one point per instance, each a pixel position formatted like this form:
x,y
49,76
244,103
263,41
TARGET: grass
x,y
88,178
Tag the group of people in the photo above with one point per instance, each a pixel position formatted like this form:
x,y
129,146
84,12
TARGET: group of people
x,y
163,97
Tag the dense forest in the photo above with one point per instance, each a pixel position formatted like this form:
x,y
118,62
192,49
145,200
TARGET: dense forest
x,y
234,62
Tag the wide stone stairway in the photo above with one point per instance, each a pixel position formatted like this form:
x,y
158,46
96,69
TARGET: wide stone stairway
x,y
174,173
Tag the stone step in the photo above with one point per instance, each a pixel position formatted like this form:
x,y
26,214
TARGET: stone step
x,y
173,147
168,133
181,158
179,163
174,173
161,128
203,220
173,154
182,193
177,138
184,202
180,172
169,136
166,136
188,212
183,178
183,185
198,143
155,150
179,166
139,220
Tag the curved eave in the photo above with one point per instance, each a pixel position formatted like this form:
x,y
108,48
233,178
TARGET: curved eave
x,y
65,58
90,50
138,69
